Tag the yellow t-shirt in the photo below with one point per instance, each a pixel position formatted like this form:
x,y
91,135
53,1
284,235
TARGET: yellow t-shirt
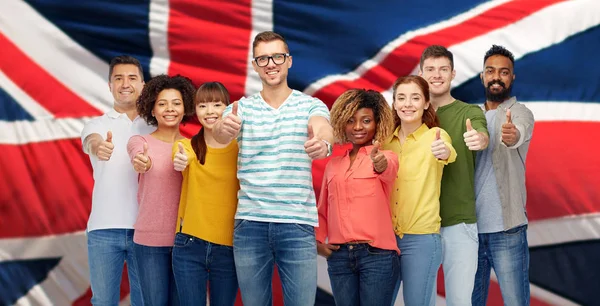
x,y
209,194
415,201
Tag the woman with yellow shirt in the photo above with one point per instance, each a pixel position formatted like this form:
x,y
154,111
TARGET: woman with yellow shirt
x,y
423,149
203,251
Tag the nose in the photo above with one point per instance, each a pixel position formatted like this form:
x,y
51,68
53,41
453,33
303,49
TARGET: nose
x,y
126,82
357,126
209,108
271,62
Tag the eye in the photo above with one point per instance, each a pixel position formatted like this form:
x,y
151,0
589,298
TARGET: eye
x,y
504,73
367,121
278,56
201,106
445,69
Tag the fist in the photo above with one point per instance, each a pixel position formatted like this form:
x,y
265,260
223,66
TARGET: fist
x,y
509,131
141,162
315,147
473,139
379,161
439,148
232,123
105,148
180,161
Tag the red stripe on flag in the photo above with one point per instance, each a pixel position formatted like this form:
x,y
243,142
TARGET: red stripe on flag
x,y
40,85
47,188
405,57
562,170
209,41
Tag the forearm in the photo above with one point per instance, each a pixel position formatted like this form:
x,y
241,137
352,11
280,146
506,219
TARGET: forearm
x,y
91,144
486,140
322,128
220,135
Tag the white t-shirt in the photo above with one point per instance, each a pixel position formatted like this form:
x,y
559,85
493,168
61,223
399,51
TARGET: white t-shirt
x,y
114,197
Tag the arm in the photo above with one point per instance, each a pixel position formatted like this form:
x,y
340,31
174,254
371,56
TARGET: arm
x,y
324,249
476,137
391,171
448,143
137,148
229,126
321,128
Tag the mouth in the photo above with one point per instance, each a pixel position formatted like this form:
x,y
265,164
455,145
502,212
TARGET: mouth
x,y
210,120
272,72
408,112
359,135
171,118
436,83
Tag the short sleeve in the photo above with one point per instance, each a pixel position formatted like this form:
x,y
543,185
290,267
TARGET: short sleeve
x,y
478,121
241,102
93,126
318,108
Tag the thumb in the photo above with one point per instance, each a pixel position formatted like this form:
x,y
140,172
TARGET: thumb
x,y
376,146
181,149
437,134
109,136
311,134
234,108
469,127
508,119
146,149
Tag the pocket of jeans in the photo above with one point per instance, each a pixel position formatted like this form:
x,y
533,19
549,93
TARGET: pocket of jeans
x,y
182,240
514,231
305,228
471,230
377,251
237,223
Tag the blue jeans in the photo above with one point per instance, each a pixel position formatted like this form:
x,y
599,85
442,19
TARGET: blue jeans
x,y
257,246
508,254
362,275
196,262
108,250
156,275
459,261
420,259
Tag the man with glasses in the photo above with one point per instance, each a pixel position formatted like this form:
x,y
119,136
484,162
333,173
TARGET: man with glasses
x,y
279,131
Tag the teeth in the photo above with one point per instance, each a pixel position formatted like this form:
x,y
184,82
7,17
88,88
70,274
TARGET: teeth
x,y
272,72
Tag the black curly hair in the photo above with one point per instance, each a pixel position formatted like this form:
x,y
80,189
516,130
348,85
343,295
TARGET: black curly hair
x,y
499,50
149,95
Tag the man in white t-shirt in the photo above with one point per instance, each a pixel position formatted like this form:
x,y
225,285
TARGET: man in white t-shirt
x,y
114,201
279,131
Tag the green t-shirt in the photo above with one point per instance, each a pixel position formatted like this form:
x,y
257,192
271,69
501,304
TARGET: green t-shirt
x,y
457,199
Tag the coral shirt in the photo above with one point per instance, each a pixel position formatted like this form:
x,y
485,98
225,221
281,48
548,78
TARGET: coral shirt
x,y
354,201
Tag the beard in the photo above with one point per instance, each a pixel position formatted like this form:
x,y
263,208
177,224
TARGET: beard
x,y
501,96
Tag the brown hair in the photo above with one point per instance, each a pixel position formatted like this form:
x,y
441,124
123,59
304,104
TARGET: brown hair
x,y
268,36
351,101
429,116
436,51
207,92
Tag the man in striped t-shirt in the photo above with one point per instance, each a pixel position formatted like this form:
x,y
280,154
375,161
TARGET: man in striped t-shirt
x,y
279,131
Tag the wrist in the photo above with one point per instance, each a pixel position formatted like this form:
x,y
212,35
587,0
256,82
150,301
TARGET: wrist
x,y
329,147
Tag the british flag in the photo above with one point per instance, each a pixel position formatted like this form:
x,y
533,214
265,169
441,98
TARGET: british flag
x,y
53,78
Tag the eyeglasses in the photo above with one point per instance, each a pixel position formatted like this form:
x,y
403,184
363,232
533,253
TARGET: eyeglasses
x,y
278,59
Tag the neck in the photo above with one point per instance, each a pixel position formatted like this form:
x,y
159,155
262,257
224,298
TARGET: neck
x,y
441,100
355,148
209,139
131,112
167,133
409,127
276,95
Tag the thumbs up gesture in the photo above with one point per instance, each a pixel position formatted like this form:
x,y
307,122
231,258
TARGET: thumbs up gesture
x,y
509,131
473,139
180,160
379,161
315,147
232,123
105,148
141,162
439,148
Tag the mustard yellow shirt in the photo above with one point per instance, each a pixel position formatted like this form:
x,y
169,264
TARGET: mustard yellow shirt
x,y
209,194
415,201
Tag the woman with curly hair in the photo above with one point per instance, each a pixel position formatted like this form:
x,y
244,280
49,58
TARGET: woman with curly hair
x,y
203,250
354,215
423,149
165,102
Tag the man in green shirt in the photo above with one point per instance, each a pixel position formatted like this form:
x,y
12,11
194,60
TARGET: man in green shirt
x,y
466,125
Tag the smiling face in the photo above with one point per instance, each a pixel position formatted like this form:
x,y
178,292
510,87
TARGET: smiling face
x,y
437,71
410,103
209,112
272,75
168,109
126,85
361,128
497,78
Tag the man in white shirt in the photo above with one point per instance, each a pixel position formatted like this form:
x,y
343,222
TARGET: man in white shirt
x,y
114,197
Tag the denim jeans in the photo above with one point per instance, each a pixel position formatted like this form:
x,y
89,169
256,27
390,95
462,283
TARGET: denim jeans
x,y
420,259
257,246
108,250
362,275
156,275
198,263
459,261
508,254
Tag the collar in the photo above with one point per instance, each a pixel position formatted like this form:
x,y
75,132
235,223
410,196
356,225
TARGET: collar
x,y
112,113
507,104
417,134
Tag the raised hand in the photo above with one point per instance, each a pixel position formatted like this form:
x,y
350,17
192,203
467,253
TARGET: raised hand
x,y
315,147
439,148
379,161
509,131
180,160
141,162
105,148
232,123
473,139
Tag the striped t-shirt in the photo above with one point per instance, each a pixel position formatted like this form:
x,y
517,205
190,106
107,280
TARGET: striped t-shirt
x,y
273,169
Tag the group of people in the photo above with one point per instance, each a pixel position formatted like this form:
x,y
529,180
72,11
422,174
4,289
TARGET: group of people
x,y
429,181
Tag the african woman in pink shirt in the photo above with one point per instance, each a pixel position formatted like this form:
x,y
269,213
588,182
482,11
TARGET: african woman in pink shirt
x,y
354,212
164,102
